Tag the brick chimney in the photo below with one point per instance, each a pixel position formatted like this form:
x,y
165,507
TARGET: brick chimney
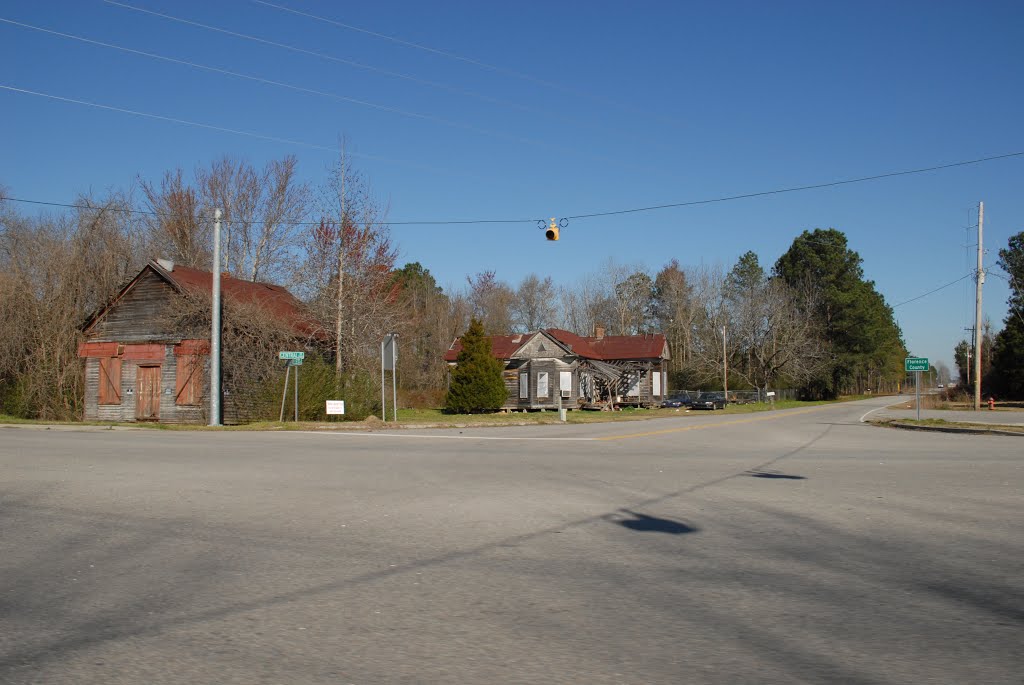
x,y
598,332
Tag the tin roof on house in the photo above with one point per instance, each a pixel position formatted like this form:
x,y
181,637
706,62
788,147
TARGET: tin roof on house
x,y
605,348
274,299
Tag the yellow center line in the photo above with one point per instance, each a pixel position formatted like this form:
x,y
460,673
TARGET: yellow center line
x,y
773,415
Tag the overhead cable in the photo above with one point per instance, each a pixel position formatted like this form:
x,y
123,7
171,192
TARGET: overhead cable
x,y
281,84
341,60
691,203
467,60
930,292
210,127
794,189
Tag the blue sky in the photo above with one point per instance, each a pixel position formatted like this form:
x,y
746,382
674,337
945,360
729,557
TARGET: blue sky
x,y
594,106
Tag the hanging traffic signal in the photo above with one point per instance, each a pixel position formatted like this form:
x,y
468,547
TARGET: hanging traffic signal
x,y
552,232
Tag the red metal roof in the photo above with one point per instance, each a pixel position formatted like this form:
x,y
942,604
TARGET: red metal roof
x,y
606,348
273,298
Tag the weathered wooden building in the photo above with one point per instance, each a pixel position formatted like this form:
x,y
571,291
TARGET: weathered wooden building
x,y
138,367
553,368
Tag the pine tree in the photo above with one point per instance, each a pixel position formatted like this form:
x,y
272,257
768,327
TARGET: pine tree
x,y
1008,350
865,342
476,383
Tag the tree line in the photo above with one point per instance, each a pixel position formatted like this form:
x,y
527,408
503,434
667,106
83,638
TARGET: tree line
x,y
812,320
1002,353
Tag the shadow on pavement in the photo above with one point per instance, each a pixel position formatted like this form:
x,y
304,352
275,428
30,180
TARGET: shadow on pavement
x,y
774,474
653,524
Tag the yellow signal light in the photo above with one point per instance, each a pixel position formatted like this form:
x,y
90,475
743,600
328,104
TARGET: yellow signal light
x,y
552,232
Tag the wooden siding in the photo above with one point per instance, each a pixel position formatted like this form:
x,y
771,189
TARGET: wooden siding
x,y
170,412
139,315
553,367
540,346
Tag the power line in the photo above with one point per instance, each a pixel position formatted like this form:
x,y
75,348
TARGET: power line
x,y
930,292
281,84
342,60
128,210
451,55
1012,281
210,127
795,189
815,186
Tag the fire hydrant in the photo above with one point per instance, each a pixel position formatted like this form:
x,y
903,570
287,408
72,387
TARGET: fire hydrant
x,y
991,403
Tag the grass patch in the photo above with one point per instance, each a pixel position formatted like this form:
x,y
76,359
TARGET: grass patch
x,y
435,417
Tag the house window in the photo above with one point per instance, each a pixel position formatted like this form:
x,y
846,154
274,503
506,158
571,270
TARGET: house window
x,y
189,388
542,384
565,383
524,386
110,380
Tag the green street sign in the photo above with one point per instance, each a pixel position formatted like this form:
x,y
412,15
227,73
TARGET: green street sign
x,y
916,363
291,355
294,362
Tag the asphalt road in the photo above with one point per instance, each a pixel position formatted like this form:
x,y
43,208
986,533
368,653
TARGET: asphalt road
x,y
801,546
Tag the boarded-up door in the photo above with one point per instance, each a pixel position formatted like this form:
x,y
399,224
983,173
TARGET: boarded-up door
x,y
147,394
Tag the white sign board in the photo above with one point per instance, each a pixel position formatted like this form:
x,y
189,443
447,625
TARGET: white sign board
x,y
335,407
656,380
771,393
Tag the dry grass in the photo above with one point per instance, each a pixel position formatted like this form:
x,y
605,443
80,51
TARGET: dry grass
x,y
942,423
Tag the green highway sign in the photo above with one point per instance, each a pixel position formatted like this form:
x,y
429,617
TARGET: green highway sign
x,y
916,363
291,355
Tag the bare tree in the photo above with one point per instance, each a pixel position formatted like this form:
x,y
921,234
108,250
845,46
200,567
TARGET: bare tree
x,y
53,273
492,301
346,273
711,323
776,334
534,305
591,302
177,227
634,300
262,210
674,312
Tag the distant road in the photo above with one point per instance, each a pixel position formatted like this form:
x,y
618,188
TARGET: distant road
x,y
797,546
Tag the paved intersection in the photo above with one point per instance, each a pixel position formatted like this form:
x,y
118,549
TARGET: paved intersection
x,y
801,546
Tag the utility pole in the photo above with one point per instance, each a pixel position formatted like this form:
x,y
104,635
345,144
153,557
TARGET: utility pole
x,y
215,327
339,324
725,368
977,311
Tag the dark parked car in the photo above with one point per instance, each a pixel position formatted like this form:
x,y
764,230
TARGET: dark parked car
x,y
676,401
709,400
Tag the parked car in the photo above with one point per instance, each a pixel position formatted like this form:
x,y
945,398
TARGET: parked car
x,y
677,401
709,400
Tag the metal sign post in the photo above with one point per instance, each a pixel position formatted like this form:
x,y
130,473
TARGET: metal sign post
x,y
917,365
291,359
389,362
284,395
917,392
